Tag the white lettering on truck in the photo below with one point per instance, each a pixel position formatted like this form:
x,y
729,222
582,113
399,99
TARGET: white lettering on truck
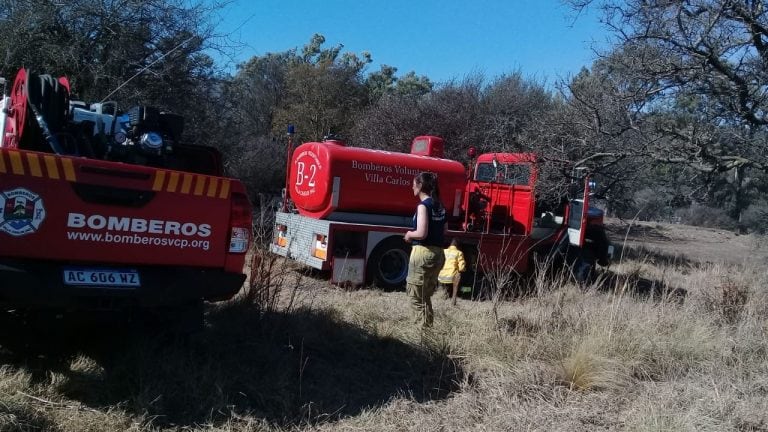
x,y
136,225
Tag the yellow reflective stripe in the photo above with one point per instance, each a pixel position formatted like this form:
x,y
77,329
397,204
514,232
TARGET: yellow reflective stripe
x,y
34,165
186,183
16,165
2,163
159,180
224,189
213,186
199,185
69,169
173,181
50,166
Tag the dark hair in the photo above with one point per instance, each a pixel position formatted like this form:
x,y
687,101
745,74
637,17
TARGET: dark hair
x,y
427,181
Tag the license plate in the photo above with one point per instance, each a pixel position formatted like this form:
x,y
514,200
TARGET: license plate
x,y
102,277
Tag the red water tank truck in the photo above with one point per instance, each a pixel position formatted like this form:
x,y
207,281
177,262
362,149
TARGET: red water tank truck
x,y
347,208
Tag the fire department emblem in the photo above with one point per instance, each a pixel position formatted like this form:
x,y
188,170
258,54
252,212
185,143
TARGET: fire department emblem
x,y
21,212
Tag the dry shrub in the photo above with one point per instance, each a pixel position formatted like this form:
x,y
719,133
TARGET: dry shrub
x,y
658,418
682,405
585,369
734,299
28,403
727,300
270,276
628,336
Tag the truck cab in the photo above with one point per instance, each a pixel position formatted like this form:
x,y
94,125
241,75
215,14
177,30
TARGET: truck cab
x,y
499,196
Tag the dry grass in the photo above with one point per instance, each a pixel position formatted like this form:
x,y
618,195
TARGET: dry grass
x,y
653,346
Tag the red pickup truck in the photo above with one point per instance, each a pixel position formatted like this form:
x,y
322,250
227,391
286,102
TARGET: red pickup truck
x,y
104,210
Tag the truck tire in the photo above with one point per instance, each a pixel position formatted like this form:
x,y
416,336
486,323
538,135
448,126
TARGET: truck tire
x,y
387,266
584,266
600,245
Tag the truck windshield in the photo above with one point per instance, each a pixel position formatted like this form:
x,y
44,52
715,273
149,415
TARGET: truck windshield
x,y
511,174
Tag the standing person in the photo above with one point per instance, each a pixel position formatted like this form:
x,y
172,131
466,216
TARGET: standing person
x,y
454,266
427,251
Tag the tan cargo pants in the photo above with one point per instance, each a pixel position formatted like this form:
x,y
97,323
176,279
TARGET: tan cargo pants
x,y
424,266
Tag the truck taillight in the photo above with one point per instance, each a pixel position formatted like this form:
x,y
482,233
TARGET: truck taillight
x,y
280,237
320,249
240,223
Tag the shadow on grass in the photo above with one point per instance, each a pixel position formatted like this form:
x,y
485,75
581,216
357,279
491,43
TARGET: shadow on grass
x,y
645,254
286,369
636,285
635,232
17,418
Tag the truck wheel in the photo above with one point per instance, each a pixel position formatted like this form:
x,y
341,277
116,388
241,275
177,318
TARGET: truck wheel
x,y
600,245
584,266
388,264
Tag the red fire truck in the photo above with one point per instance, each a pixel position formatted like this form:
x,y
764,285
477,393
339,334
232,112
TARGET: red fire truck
x,y
103,210
349,208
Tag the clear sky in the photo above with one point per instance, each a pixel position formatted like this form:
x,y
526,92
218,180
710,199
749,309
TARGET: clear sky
x,y
441,39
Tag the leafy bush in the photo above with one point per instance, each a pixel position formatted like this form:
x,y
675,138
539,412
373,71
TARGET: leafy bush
x,y
754,218
651,205
703,216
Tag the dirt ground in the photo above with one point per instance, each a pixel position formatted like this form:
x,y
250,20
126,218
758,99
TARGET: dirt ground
x,y
686,243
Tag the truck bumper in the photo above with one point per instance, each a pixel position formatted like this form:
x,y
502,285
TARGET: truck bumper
x,y
32,284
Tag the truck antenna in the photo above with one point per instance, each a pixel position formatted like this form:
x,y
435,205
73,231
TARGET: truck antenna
x,y
141,71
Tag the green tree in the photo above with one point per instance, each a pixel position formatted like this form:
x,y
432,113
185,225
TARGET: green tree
x,y
103,47
133,52
323,90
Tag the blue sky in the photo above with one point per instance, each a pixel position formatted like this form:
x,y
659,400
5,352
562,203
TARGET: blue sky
x,y
441,39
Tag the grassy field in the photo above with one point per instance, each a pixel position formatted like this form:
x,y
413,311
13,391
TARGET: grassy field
x,y
662,341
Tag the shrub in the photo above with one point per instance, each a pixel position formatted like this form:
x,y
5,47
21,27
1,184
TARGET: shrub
x,y
754,218
728,300
650,205
703,216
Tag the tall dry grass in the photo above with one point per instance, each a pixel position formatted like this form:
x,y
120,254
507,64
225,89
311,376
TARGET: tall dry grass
x,y
652,345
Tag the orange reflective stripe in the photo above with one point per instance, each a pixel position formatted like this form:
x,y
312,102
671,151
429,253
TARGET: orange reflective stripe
x,y
16,165
224,189
199,185
50,166
34,165
186,183
173,181
159,180
213,186
69,169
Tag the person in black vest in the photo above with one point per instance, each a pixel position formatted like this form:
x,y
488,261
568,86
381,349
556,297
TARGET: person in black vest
x,y
427,256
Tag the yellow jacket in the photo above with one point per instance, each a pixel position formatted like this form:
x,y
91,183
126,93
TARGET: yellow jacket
x,y
454,263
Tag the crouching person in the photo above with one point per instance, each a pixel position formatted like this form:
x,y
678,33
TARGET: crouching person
x,y
454,265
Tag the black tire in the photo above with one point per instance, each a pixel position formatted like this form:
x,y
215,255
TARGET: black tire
x,y
387,266
600,244
584,266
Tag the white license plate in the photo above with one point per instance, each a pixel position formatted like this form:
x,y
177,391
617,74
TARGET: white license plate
x,y
107,278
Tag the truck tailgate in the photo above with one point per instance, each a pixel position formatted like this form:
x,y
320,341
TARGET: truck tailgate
x,y
84,210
